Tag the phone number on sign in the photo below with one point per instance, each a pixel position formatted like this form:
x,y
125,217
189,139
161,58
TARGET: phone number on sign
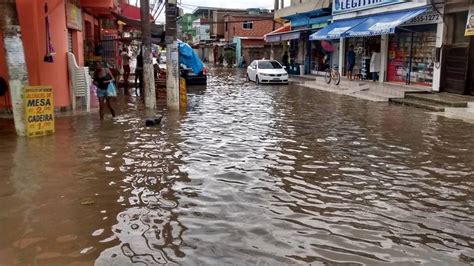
x,y
425,18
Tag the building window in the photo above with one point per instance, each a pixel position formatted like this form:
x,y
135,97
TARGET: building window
x,y
247,25
225,26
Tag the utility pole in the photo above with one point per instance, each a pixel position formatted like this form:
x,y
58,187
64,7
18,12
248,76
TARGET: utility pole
x,y
16,63
172,57
272,51
148,74
282,4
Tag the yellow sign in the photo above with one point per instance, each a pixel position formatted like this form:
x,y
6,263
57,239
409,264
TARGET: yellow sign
x,y
183,98
73,17
470,22
39,110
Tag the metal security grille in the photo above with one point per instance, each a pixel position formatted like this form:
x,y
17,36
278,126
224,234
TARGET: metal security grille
x,y
109,46
69,41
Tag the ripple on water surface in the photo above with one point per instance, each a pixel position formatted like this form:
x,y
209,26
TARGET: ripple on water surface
x,y
283,174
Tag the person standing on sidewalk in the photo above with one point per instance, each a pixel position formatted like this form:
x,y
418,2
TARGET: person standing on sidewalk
x,y
102,79
375,65
284,60
126,65
351,60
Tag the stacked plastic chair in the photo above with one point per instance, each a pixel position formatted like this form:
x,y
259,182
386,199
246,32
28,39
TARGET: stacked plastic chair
x,y
80,81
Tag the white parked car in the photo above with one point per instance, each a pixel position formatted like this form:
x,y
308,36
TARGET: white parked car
x,y
267,71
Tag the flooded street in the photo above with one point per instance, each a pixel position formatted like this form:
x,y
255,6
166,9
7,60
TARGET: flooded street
x,y
249,174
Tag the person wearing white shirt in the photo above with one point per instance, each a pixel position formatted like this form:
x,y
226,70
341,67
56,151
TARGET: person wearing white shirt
x,y
126,64
375,65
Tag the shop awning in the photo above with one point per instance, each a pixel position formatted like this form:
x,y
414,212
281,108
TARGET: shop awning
x,y
336,29
274,36
383,23
301,20
319,22
285,36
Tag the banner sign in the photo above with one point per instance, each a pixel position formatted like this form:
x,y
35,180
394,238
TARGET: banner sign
x,y
73,17
470,22
39,110
343,6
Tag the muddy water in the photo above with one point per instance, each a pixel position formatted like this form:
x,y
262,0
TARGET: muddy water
x,y
269,174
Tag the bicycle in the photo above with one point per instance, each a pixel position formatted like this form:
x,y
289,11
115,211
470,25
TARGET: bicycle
x,y
332,74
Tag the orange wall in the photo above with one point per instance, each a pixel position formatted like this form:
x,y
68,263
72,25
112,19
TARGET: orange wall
x,y
78,47
3,69
32,22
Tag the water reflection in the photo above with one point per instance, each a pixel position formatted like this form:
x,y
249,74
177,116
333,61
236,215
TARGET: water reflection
x,y
148,230
248,175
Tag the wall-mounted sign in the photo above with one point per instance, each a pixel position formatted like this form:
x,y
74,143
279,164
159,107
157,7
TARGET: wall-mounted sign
x,y
39,111
430,16
470,22
73,17
342,6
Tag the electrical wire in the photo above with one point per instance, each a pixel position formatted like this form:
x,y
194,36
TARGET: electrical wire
x,y
222,22
237,21
191,6
159,13
157,7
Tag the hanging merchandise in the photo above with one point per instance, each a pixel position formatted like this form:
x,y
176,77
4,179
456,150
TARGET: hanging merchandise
x,y
49,44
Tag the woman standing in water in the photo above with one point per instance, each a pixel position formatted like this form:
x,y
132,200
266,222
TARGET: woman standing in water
x,y
102,78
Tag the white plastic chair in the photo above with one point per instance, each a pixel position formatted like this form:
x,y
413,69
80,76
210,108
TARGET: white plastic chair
x,y
80,81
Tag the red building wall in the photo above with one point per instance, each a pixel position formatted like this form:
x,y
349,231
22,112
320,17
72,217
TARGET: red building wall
x,y
260,27
32,23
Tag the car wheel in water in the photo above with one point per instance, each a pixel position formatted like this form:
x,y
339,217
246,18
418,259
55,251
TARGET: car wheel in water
x,y
257,80
247,78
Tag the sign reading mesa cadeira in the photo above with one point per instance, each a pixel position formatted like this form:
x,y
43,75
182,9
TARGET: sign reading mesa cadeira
x,y
39,111
342,6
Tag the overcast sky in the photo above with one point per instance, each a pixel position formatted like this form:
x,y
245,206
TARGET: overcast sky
x,y
189,5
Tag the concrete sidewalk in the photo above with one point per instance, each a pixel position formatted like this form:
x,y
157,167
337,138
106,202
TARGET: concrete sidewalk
x,y
367,90
466,114
446,104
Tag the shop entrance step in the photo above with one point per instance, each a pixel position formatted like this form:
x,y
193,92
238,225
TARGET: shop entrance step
x,y
419,104
445,99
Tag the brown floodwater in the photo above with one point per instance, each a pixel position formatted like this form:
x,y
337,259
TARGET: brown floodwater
x,y
248,175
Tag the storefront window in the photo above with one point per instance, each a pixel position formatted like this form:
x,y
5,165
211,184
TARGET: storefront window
x,y
411,55
318,57
363,48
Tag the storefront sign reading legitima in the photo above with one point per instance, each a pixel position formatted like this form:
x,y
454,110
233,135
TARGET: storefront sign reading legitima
x,y
39,111
342,6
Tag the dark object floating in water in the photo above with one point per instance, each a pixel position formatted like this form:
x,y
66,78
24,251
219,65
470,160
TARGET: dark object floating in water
x,y
153,121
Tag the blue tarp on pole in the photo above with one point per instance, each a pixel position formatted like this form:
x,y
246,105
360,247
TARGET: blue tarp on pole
x,y
188,57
